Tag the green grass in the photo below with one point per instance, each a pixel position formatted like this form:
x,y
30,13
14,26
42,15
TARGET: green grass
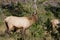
x,y
36,31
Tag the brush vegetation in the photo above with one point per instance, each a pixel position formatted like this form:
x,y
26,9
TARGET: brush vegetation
x,y
38,29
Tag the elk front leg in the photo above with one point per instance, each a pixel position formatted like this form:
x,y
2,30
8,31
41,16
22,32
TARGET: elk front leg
x,y
23,33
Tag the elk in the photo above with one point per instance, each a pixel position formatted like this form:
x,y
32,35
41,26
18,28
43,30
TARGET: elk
x,y
55,23
20,22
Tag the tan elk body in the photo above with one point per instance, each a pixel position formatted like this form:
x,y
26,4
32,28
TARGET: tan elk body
x,y
20,22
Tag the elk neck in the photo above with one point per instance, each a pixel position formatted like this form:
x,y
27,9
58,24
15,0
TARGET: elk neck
x,y
33,18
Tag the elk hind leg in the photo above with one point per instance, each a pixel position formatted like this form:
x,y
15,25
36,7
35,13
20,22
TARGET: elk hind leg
x,y
6,31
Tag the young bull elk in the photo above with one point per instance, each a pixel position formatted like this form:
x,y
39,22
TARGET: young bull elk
x,y
20,22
